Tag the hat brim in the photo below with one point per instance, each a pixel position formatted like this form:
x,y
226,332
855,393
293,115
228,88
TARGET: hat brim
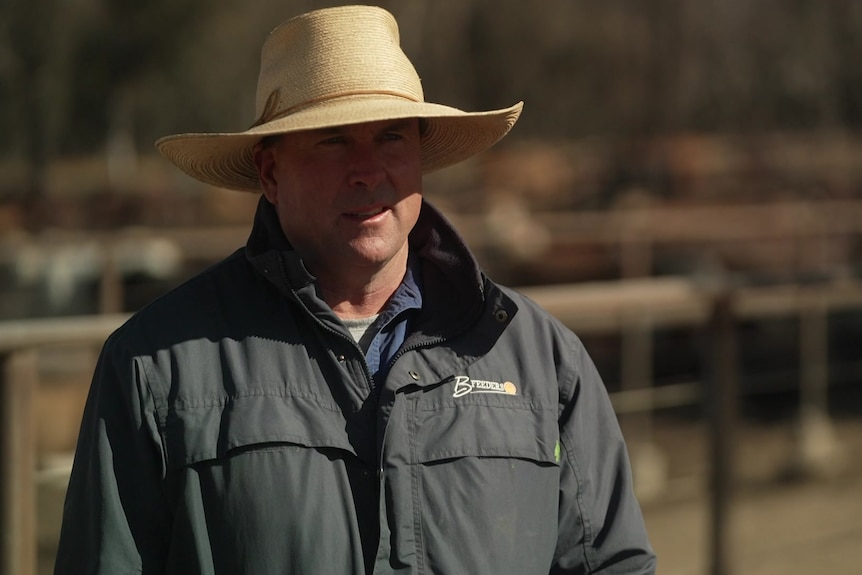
x,y
451,136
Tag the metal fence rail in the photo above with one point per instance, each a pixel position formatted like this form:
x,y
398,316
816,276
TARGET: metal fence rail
x,y
632,308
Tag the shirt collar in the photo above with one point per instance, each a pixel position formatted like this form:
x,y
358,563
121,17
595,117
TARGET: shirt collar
x,y
407,296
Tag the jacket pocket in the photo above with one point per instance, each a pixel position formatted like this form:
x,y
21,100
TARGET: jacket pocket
x,y
194,433
486,426
256,479
486,479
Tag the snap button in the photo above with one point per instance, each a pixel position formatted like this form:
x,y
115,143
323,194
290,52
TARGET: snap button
x,y
414,375
340,358
501,315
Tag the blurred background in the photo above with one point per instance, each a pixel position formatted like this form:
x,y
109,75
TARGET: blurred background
x,y
684,190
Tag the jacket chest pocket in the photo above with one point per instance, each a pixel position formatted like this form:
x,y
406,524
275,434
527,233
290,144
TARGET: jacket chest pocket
x,y
195,433
485,426
255,478
486,475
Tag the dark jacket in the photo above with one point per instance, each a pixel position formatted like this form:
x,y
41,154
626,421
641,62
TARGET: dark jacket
x,y
232,427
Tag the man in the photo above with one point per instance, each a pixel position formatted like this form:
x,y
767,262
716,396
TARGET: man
x,y
348,394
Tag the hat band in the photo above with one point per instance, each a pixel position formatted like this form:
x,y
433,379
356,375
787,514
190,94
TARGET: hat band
x,y
269,113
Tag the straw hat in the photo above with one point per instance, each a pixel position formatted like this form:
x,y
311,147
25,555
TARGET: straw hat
x,y
334,67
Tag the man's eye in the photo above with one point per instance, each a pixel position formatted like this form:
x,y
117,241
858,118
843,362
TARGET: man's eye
x,y
393,136
332,141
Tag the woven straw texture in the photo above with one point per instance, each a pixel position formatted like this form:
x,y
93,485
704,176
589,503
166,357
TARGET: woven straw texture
x,y
335,67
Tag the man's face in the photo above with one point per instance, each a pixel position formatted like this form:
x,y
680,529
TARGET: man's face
x,y
346,197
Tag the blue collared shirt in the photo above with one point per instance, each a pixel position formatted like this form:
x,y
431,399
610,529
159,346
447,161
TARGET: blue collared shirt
x,y
392,325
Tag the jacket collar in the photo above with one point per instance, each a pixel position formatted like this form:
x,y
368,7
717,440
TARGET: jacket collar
x,y
453,284
270,252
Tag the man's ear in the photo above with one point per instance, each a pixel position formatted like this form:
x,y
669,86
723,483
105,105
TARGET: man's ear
x,y
265,161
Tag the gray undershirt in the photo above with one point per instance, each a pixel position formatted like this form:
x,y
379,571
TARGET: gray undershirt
x,y
359,328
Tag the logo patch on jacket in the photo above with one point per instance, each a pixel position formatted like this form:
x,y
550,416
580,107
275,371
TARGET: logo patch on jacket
x,y
465,385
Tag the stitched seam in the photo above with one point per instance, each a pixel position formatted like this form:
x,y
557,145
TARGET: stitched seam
x,y
535,456
586,546
188,405
450,404
252,443
161,423
588,534
417,510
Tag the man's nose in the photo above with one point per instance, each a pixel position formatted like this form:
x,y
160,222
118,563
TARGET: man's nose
x,y
366,166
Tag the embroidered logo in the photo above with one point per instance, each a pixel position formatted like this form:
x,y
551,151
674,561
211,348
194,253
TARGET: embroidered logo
x,y
465,385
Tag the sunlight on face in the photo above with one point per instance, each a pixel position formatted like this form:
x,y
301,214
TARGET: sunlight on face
x,y
347,197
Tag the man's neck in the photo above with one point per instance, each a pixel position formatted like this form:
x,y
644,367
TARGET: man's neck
x,y
360,293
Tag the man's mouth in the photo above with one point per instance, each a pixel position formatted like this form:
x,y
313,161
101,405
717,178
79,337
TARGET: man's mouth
x,y
367,213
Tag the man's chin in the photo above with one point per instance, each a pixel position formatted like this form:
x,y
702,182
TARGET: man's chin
x,y
362,255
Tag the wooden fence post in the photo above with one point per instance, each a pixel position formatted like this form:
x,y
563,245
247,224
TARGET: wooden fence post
x,y
18,379
818,451
649,465
722,410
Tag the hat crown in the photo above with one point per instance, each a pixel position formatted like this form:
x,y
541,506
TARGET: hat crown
x,y
349,51
335,67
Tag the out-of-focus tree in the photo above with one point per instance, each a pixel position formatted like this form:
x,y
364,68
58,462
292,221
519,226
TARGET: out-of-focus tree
x,y
86,76
70,71
38,40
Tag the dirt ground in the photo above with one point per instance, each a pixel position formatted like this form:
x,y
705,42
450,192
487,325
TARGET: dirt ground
x,y
781,521
789,530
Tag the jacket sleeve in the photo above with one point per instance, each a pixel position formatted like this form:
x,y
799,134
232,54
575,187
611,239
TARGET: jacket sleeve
x,y
115,520
601,528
